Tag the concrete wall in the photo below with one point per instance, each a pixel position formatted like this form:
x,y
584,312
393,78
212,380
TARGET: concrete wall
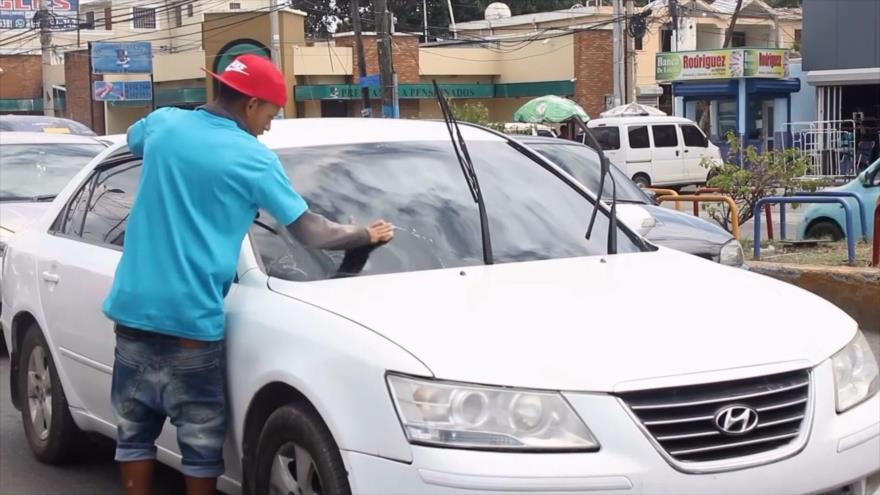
x,y
455,61
120,118
841,34
325,59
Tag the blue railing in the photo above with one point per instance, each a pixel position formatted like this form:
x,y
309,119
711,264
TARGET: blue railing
x,y
863,215
850,238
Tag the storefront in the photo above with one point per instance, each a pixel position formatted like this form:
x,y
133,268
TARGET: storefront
x,y
746,91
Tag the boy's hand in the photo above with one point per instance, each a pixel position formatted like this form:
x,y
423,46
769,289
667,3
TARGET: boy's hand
x,y
380,232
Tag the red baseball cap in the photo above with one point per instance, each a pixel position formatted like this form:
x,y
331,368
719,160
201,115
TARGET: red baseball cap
x,y
254,76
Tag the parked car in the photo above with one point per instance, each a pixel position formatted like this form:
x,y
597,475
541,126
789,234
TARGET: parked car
x,y
663,226
829,221
40,123
656,151
34,167
111,139
416,367
525,129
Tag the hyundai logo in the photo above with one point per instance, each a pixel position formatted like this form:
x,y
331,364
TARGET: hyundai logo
x,y
736,420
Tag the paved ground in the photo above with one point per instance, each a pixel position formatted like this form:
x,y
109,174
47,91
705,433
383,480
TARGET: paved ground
x,y
94,473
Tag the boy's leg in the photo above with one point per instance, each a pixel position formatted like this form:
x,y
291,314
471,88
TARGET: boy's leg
x,y
135,403
195,402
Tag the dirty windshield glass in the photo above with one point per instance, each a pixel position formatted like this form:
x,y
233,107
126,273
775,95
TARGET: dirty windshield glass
x,y
419,187
33,171
583,164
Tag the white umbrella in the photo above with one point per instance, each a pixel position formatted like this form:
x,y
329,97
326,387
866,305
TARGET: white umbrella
x,y
633,110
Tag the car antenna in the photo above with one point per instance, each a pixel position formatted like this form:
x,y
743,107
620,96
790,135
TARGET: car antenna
x,y
467,167
604,166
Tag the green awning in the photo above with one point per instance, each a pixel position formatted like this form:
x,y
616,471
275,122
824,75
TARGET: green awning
x,y
181,96
305,92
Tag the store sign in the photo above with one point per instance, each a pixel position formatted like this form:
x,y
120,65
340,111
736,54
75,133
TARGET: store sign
x,y
122,91
19,14
765,62
405,91
122,58
722,64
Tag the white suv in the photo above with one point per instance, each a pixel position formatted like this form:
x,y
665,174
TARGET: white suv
x,y
418,368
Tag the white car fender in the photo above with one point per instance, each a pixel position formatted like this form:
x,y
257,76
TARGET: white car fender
x,y
337,364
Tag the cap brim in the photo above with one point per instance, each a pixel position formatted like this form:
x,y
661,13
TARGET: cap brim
x,y
219,78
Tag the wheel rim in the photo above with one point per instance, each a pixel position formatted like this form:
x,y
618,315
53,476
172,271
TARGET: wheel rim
x,y
294,472
39,392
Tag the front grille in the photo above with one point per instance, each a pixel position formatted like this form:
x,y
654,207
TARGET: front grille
x,y
689,424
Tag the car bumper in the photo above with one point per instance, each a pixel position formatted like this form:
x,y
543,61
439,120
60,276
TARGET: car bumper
x,y
842,451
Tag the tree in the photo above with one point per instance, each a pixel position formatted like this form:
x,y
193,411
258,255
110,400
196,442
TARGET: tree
x,y
759,175
728,37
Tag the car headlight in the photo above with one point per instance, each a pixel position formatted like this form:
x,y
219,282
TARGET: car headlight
x,y
468,416
856,375
732,254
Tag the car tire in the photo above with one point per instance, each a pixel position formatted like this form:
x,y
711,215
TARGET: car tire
x,y
51,432
297,454
824,229
642,180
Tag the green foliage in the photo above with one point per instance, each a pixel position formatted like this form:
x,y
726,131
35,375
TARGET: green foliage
x,y
772,173
475,113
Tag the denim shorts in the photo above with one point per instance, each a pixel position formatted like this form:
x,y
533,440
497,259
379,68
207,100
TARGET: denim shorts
x,y
157,377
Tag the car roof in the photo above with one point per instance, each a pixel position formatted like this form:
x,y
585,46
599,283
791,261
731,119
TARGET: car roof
x,y
12,137
298,133
656,119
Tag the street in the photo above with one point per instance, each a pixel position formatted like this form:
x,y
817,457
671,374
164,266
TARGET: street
x,y
94,474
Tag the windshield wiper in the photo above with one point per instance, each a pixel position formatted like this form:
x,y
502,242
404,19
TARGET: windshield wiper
x,y
34,199
603,168
467,168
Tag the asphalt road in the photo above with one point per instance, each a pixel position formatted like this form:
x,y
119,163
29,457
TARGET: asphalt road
x,y
94,473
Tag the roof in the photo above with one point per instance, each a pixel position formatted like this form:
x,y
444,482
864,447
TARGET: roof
x,y
298,133
11,137
640,119
538,17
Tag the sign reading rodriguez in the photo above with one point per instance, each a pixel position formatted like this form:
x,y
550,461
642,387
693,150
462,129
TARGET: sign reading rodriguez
x,y
722,64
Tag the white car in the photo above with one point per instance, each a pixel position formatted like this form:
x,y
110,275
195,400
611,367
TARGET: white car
x,y
418,368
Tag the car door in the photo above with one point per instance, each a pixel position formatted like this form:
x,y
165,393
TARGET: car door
x,y
695,148
666,155
638,153
76,272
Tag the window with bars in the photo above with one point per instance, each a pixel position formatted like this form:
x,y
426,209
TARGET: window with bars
x,y
177,13
189,9
89,21
738,39
234,6
143,18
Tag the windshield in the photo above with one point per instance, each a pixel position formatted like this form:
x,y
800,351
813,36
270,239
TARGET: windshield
x,y
583,164
418,186
29,172
44,124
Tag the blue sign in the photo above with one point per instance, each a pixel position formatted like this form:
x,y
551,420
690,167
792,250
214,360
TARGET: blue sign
x,y
371,81
122,91
19,14
122,58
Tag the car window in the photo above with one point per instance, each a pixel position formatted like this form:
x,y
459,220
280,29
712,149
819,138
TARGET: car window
x,y
98,212
583,164
419,187
638,136
608,137
29,171
664,136
50,125
693,136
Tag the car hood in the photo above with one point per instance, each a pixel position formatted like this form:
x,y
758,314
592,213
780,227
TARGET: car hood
x,y
16,216
686,232
586,324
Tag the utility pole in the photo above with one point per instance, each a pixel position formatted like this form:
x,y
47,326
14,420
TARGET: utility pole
x,y
617,50
275,40
46,46
452,20
630,56
367,110
386,68
425,14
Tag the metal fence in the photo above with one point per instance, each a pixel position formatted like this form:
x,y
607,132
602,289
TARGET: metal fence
x,y
830,145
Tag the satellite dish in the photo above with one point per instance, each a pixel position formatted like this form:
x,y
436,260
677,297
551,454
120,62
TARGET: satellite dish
x,y
497,10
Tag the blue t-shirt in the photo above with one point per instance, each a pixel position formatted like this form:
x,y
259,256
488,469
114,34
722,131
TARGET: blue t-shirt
x,y
203,179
